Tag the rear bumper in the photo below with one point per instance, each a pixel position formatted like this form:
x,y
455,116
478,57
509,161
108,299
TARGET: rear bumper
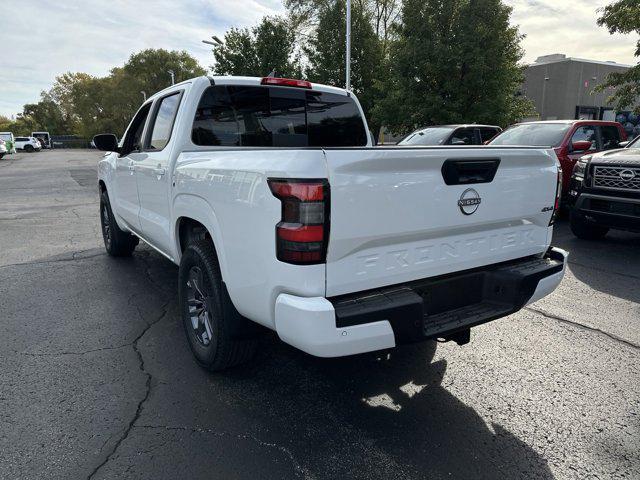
x,y
431,308
620,213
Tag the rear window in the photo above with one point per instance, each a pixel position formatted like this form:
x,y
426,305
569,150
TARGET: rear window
x,y
252,116
533,134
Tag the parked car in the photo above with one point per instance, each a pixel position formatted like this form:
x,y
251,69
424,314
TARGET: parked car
x,y
604,192
269,196
9,141
570,139
28,144
44,137
3,148
451,135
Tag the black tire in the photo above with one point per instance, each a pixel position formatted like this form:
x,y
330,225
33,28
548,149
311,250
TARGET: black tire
x,y
117,243
29,148
215,331
585,230
1,155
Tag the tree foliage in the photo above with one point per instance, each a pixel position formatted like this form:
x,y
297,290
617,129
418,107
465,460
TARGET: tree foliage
x,y
623,16
82,104
258,51
325,49
453,61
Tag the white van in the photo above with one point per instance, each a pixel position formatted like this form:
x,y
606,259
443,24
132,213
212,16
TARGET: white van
x,y
45,137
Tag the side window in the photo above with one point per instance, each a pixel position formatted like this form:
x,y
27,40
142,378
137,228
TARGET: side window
x,y
610,137
163,121
133,138
586,133
487,134
463,136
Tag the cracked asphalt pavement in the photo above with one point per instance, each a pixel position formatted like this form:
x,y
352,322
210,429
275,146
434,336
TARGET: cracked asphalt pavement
x,y
97,382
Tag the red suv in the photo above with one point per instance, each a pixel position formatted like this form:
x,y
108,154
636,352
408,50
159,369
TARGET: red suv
x,y
569,138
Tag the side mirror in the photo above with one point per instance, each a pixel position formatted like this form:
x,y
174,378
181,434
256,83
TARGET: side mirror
x,y
623,144
581,146
107,142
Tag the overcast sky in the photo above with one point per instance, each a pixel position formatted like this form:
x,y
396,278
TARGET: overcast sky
x,y
40,39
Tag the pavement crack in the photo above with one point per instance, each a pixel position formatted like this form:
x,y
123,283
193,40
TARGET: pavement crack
x,y
74,256
300,470
85,352
144,398
584,327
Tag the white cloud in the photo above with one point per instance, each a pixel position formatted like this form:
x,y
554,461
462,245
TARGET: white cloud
x,y
569,27
41,39
92,36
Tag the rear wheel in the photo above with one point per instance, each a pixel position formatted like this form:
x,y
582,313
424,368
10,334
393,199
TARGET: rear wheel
x,y
117,242
587,231
213,331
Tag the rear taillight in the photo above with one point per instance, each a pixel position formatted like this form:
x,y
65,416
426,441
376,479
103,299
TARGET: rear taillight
x,y
303,231
556,204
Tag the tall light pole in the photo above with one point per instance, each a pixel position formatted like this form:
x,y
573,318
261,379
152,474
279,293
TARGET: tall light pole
x,y
348,66
544,91
173,77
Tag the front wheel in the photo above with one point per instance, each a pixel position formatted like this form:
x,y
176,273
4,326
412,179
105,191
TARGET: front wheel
x,y
584,230
207,313
29,148
117,243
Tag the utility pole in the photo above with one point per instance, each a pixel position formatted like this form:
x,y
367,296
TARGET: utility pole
x,y
348,66
173,78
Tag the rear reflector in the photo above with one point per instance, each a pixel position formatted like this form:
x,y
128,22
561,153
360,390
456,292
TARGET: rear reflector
x,y
285,82
303,231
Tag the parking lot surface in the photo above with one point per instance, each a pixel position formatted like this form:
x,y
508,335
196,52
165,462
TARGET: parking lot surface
x,y
97,380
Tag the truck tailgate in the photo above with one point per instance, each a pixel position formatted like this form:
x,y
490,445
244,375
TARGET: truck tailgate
x,y
402,214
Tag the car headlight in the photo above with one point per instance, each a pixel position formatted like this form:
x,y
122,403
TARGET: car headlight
x,y
580,168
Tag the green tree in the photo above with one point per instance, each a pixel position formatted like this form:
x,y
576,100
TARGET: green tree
x,y
623,16
325,50
257,51
453,61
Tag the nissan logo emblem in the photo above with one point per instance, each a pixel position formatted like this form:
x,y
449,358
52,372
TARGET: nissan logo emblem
x,y
469,201
627,175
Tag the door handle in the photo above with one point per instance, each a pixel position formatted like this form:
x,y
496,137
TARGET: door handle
x,y
159,171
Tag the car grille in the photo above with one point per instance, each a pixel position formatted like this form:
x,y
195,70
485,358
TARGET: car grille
x,y
616,178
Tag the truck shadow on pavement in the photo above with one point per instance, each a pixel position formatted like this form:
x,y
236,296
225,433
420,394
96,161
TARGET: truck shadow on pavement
x,y
391,414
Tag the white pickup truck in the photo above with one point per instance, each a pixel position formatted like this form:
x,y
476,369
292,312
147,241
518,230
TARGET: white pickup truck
x,y
271,198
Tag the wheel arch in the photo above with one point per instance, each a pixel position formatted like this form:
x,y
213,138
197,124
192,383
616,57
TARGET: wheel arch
x,y
195,218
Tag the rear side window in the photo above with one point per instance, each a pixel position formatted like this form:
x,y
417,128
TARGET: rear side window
x,y
22,139
463,136
610,137
252,116
163,122
487,134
